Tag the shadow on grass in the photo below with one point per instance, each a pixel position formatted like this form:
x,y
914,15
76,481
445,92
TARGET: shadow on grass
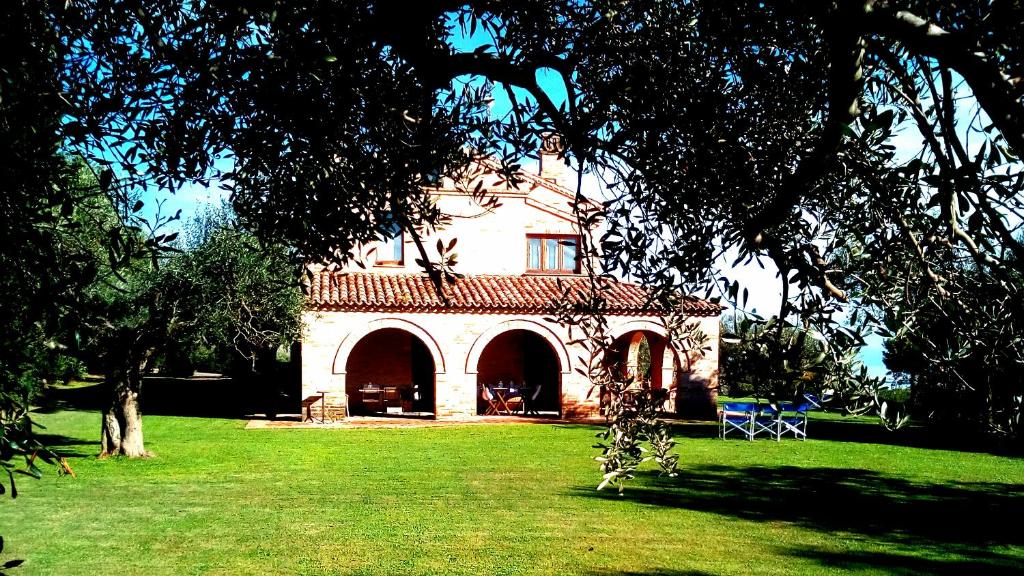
x,y
988,563
655,572
869,433
956,521
69,447
201,396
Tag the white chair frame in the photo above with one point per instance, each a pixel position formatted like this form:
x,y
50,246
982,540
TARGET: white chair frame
x,y
798,430
767,421
744,426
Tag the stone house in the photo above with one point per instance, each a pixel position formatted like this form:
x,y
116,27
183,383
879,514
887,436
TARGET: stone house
x,y
385,325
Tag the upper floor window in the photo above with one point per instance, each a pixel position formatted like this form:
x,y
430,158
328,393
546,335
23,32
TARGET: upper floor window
x,y
391,250
552,253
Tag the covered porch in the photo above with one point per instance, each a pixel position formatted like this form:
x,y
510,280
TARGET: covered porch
x,y
385,347
390,372
518,375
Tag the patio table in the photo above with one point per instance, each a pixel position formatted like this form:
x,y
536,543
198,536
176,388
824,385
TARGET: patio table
x,y
500,393
379,392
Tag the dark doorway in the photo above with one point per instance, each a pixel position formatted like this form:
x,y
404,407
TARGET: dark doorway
x,y
525,360
390,371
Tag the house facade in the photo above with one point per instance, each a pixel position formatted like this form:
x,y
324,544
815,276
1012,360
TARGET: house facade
x,y
386,326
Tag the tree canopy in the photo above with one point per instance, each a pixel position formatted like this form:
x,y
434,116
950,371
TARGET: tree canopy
x,y
765,131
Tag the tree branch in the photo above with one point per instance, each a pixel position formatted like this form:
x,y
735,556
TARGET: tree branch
x,y
522,75
936,280
845,85
438,67
991,86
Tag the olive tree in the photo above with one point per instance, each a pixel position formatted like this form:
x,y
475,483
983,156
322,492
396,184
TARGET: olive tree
x,y
223,289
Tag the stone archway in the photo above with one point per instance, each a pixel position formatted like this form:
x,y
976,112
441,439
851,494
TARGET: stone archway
x,y
525,354
525,365
391,371
353,338
473,358
340,391
690,396
665,359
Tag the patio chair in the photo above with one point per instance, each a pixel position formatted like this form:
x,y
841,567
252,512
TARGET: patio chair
x,y
793,419
629,397
391,400
671,400
766,421
817,403
738,416
660,398
490,399
530,403
514,400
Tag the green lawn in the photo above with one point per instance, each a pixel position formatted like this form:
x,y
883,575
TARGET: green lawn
x,y
514,499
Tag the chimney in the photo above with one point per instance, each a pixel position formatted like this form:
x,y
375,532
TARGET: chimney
x,y
553,166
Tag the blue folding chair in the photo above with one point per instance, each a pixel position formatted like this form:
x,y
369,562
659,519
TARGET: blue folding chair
x,y
738,416
813,402
793,419
766,421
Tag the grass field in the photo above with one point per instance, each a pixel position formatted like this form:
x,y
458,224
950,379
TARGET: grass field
x,y
510,499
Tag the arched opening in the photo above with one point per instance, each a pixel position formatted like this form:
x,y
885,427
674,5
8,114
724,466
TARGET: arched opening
x,y
645,357
521,362
639,354
390,371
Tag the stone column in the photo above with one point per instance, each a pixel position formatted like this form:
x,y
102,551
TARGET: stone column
x,y
334,397
698,386
456,395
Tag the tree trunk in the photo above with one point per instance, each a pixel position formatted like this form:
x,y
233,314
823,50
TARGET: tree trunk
x,y
121,433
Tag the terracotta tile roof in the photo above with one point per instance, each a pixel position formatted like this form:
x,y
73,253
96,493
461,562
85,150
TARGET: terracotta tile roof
x,y
528,294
